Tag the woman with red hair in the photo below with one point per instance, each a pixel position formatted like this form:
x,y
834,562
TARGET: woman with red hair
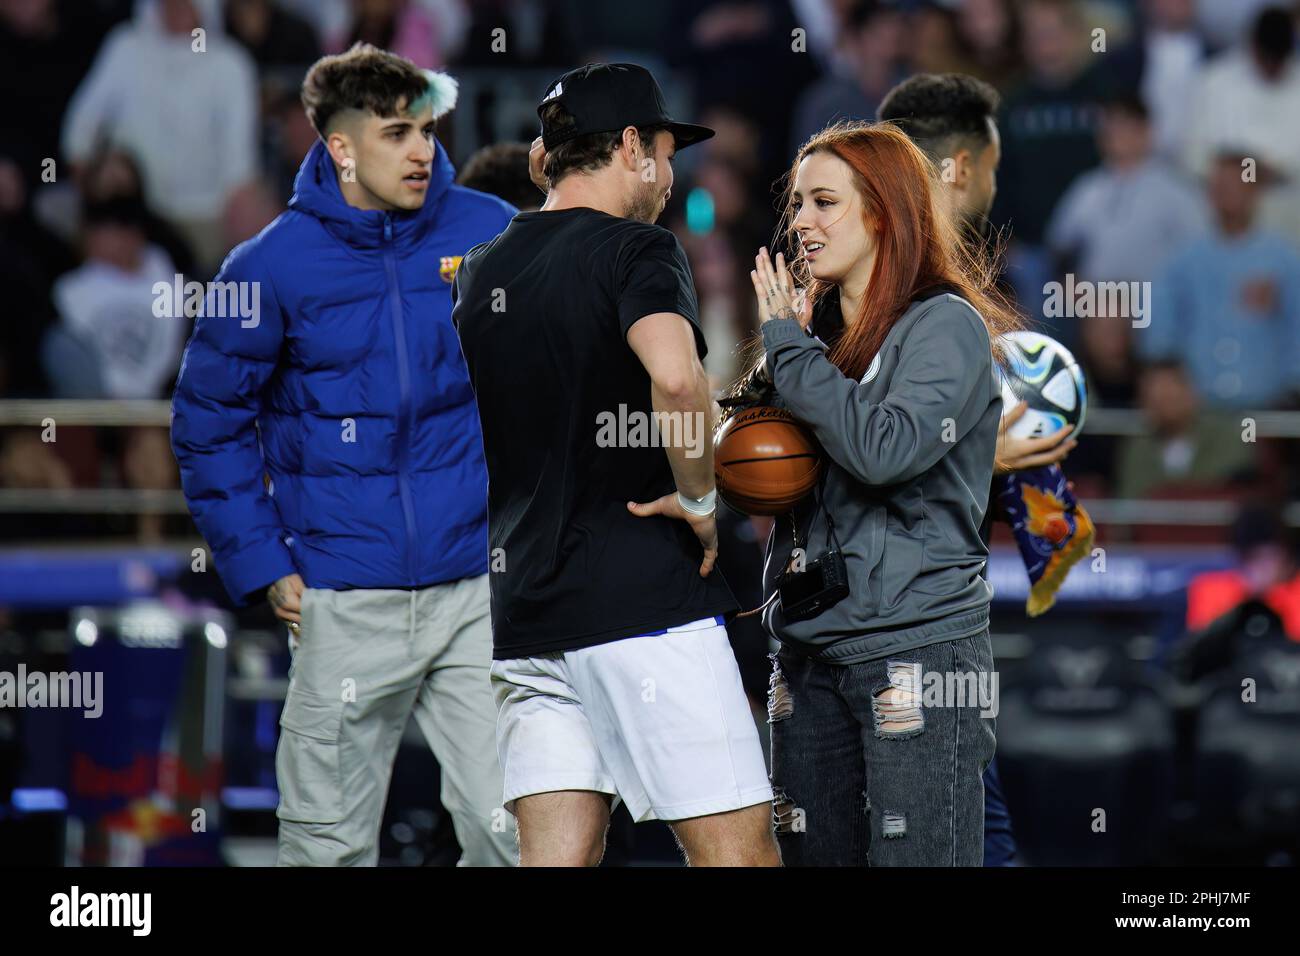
x,y
880,335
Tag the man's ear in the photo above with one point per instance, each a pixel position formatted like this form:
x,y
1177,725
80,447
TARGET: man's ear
x,y
957,170
341,149
631,148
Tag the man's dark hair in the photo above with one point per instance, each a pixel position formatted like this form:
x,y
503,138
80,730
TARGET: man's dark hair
x,y
939,111
364,78
502,170
1273,35
585,153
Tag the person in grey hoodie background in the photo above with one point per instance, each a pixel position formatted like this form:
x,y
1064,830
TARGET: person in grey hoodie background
x,y
881,337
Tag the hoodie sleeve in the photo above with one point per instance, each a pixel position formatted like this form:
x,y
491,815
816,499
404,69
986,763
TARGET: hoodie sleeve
x,y
97,100
934,395
218,398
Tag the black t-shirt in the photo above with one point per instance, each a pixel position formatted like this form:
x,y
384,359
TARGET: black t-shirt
x,y
543,312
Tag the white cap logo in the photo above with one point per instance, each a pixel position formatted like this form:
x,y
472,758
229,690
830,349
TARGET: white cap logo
x,y
559,88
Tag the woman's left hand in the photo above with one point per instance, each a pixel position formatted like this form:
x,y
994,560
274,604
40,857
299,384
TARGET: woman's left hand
x,y
774,288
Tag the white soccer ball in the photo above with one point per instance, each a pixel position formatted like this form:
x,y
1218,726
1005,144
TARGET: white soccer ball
x,y
1042,372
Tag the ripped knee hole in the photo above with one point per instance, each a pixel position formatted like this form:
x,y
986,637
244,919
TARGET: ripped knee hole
x,y
896,708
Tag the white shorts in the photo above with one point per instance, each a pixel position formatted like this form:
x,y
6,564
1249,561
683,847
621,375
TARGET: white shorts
x,y
661,721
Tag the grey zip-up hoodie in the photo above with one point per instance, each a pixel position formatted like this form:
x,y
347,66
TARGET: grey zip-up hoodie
x,y
909,458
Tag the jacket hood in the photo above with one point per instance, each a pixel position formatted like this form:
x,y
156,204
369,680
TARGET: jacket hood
x,y
316,192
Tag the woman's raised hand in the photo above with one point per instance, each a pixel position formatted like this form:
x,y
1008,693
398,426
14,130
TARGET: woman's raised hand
x,y
775,290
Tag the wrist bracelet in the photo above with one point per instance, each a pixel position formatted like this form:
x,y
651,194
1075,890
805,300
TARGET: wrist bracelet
x,y
699,507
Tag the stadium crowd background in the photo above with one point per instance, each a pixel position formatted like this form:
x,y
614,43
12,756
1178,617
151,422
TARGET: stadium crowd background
x,y
1145,141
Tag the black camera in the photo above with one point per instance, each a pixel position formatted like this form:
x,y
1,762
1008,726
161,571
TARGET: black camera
x,y
820,585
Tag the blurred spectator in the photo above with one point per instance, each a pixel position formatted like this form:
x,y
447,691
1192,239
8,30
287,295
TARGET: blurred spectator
x,y
1048,124
736,141
115,175
721,232
427,32
1106,353
1163,63
249,211
556,33
189,117
1121,220
194,134
110,342
1228,304
871,52
822,21
1249,99
273,36
1226,22
30,259
289,138
1266,572
741,54
990,32
28,462
327,17
46,47
1184,447
148,465
936,44
502,171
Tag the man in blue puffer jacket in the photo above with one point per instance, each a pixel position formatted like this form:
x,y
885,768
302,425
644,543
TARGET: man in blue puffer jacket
x,y
331,455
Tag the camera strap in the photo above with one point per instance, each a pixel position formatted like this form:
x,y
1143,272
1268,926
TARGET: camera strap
x,y
831,539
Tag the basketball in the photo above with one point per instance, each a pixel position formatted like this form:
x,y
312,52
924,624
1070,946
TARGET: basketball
x,y
765,461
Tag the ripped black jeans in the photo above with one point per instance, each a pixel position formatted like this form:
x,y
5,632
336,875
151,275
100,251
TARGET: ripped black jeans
x,y
881,763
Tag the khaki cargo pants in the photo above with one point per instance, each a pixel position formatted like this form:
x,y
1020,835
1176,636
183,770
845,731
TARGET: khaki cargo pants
x,y
363,662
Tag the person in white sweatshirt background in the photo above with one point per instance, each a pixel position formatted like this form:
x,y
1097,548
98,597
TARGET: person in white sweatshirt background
x,y
110,342
184,103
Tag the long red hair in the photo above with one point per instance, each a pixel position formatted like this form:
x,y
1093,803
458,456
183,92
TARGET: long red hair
x,y
918,244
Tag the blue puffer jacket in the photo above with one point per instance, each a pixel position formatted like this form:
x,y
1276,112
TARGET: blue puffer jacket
x,y
349,393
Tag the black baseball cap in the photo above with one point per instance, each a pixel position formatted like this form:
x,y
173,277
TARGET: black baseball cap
x,y
608,97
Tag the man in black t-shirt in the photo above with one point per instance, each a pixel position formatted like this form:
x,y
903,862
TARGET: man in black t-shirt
x,y
612,672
